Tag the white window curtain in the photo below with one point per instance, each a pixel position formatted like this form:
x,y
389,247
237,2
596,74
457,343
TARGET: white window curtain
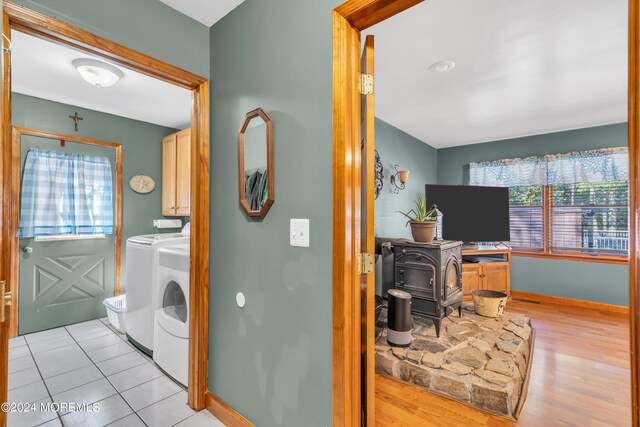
x,y
65,194
594,166
509,172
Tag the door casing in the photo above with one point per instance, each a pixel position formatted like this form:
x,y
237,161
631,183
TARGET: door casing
x,y
40,25
349,19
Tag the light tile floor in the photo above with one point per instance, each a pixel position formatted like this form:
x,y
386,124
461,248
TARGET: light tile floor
x,y
92,363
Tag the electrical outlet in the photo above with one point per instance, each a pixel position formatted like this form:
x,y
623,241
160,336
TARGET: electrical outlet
x,y
299,233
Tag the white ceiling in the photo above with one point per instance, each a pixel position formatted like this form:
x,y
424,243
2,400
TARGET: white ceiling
x,y
522,68
43,69
207,12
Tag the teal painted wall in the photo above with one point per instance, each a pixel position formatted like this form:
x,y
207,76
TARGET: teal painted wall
x,y
141,152
605,283
271,360
589,281
148,26
398,147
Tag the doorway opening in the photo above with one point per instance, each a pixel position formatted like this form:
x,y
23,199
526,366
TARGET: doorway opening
x,y
354,390
19,18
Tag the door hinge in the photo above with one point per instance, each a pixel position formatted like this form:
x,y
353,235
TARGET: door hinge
x,y
365,263
366,84
5,300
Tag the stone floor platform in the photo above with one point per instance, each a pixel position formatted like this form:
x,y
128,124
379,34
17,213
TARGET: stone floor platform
x,y
477,360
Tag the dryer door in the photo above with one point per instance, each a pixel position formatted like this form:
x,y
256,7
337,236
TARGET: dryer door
x,y
173,316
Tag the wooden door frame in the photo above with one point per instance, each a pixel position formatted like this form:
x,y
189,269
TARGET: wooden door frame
x,y
349,19
40,25
14,277
634,205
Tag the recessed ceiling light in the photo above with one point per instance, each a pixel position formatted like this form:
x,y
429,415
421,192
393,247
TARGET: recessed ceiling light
x,y
97,73
442,66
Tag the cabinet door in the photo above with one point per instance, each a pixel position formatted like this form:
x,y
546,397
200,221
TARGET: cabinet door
x,y
169,175
470,277
495,276
183,173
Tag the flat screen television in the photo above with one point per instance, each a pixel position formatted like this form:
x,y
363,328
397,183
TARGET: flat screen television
x,y
470,213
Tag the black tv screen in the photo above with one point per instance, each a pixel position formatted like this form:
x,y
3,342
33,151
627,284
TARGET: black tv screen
x,y
470,213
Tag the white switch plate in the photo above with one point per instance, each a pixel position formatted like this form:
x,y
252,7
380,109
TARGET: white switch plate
x,y
299,233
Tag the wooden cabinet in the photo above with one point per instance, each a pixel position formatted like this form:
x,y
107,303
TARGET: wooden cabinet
x,y
176,174
486,269
495,276
470,278
183,173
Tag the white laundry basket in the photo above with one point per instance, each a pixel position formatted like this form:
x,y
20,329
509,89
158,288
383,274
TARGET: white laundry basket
x,y
117,311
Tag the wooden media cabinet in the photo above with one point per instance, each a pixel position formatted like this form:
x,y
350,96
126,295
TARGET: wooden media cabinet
x,y
486,268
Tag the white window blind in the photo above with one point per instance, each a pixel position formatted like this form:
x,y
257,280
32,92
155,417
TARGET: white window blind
x,y
526,218
590,218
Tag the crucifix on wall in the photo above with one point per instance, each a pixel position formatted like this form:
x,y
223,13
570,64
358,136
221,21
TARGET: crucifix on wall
x,y
75,119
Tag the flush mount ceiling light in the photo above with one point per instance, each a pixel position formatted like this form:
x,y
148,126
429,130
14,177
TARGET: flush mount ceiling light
x,y
98,73
442,66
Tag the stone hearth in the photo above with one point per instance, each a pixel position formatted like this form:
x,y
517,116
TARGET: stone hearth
x,y
477,360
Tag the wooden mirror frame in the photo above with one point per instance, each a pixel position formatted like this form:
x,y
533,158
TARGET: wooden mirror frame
x,y
258,112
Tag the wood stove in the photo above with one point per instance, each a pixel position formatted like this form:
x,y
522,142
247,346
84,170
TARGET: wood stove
x,y
432,274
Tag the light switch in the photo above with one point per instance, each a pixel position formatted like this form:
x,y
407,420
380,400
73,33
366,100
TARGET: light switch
x,y
299,233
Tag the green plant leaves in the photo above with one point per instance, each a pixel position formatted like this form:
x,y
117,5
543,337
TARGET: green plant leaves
x,y
420,213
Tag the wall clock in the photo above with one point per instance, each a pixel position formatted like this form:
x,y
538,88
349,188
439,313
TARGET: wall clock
x,y
142,184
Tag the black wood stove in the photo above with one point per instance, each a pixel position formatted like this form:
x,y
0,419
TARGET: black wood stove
x,y
432,274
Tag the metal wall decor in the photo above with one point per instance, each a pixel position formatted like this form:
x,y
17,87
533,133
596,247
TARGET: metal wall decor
x,y
379,169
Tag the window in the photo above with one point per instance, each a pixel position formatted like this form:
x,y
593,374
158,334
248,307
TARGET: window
x,y
65,194
590,218
566,205
69,237
526,217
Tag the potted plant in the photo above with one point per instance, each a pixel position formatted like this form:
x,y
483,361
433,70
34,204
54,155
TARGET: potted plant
x,y
423,221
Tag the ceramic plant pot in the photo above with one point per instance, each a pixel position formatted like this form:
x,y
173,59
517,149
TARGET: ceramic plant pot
x,y
423,232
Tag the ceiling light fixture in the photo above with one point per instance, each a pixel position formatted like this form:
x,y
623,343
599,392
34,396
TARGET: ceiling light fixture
x,y
97,73
442,66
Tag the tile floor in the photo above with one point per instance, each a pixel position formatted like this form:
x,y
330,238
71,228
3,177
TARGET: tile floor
x,y
91,363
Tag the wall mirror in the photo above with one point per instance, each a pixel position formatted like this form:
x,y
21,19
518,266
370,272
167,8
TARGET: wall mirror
x,y
255,163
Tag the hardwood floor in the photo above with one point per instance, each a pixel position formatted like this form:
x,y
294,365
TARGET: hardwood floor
x,y
580,377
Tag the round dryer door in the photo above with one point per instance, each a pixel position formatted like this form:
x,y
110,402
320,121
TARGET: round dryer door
x,y
174,303
174,315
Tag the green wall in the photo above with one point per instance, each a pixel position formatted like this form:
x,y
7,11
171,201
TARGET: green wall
x,y
398,147
271,360
589,281
141,152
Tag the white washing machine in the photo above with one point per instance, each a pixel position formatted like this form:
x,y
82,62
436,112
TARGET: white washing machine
x,y
171,333
140,280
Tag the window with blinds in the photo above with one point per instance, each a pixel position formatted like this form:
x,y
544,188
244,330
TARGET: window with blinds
x,y
526,218
572,204
590,218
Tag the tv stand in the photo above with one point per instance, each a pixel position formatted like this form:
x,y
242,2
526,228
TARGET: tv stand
x,y
486,267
